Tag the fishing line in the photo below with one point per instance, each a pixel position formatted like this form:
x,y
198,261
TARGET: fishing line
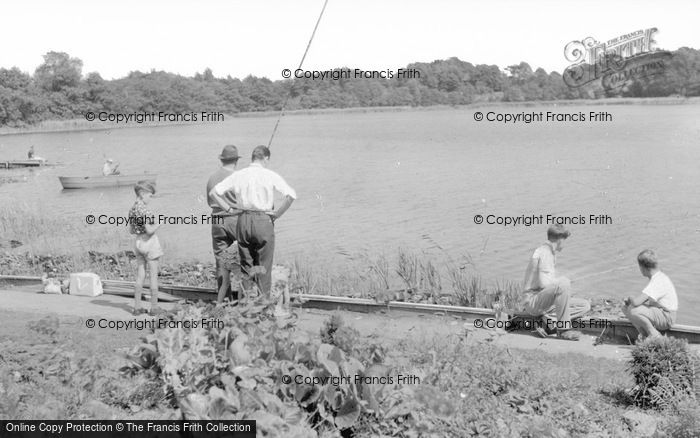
x,y
608,271
286,100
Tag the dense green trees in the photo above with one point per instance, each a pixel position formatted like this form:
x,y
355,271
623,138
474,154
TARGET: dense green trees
x,y
59,90
58,72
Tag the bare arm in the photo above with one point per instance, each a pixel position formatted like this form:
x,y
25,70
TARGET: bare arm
x,y
222,203
636,301
150,227
289,196
286,203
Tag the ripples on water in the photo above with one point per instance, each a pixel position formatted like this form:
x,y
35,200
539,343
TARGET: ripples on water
x,y
369,183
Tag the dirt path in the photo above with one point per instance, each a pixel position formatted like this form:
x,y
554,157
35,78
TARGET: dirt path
x,y
22,303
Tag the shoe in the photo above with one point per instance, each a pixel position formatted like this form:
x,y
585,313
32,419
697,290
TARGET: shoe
x,y
542,333
282,313
139,311
550,329
514,323
569,335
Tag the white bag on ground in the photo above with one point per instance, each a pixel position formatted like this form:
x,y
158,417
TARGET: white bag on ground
x,y
85,284
52,286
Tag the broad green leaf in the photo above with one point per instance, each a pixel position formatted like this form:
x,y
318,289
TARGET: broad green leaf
x,y
330,357
348,413
307,394
194,407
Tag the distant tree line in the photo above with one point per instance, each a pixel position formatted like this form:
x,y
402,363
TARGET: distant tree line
x,y
58,89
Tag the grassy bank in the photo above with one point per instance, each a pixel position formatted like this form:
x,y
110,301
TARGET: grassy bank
x,y
56,369
81,124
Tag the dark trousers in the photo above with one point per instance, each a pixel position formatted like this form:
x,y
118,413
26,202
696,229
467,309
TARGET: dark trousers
x,y
256,247
223,235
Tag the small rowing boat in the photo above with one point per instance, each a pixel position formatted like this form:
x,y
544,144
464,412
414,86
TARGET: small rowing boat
x,y
34,162
89,182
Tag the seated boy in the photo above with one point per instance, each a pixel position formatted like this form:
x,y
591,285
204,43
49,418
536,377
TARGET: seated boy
x,y
548,295
655,308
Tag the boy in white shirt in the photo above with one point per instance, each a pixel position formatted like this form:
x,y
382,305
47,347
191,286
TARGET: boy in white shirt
x,y
655,308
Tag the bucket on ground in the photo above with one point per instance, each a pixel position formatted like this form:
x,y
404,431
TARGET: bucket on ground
x,y
85,284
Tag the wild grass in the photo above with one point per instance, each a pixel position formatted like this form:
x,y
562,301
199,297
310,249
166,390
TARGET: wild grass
x,y
508,295
304,277
461,281
498,391
55,369
407,269
49,243
379,274
44,232
430,280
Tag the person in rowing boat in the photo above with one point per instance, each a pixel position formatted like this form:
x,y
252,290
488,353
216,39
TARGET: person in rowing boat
x,y
110,167
223,227
31,156
254,188
147,246
548,295
655,308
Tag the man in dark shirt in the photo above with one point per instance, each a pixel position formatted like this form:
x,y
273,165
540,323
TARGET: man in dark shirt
x,y
223,228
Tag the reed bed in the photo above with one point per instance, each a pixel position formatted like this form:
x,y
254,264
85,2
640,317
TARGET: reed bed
x,y
48,243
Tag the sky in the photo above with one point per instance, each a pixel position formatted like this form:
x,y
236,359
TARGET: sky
x,y
243,37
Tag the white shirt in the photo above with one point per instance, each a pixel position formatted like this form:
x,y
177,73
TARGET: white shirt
x,y
661,292
542,266
254,187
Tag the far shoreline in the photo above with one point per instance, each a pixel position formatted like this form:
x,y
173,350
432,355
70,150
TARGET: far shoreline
x,y
78,125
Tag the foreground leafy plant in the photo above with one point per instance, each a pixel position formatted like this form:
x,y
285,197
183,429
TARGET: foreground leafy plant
x,y
664,371
336,332
250,366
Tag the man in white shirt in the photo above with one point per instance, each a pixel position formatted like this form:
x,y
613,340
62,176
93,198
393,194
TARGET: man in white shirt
x,y
254,189
548,295
655,308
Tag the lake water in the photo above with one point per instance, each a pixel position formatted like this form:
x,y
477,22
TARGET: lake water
x,y
369,183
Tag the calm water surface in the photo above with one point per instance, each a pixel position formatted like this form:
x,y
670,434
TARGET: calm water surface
x,y
369,183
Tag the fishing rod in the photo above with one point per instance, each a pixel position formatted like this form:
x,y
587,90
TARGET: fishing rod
x,y
286,100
